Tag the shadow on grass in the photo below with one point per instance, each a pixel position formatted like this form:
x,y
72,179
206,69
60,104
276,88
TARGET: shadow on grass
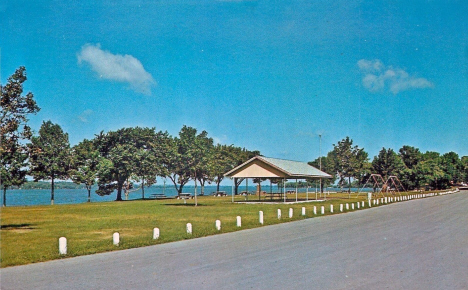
x,y
17,227
183,204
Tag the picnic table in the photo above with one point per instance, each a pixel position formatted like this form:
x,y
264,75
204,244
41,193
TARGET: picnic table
x,y
273,194
219,193
184,196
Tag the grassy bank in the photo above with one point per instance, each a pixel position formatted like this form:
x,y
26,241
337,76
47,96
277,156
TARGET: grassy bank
x,y
30,234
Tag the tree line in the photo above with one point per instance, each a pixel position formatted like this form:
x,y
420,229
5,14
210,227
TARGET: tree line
x,y
117,160
350,164
114,160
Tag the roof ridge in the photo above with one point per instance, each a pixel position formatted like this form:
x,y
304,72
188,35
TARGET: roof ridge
x,y
283,159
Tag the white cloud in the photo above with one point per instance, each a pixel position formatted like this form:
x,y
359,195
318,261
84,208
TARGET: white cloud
x,y
378,77
116,67
220,140
84,117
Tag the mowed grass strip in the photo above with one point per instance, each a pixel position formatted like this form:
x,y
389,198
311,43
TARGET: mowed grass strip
x,y
30,234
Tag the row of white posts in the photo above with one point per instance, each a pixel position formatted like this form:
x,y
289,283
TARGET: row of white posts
x,y
384,200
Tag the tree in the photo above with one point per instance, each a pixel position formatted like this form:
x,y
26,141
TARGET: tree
x,y
149,159
452,167
428,171
464,168
49,155
122,158
363,167
202,151
388,163
222,160
84,162
188,156
347,161
176,165
327,166
14,130
145,168
411,156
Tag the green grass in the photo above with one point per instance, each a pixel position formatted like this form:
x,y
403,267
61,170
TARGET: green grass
x,y
30,234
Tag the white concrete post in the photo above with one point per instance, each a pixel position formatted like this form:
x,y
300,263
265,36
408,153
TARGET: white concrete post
x,y
63,246
239,221
362,204
189,228
352,206
323,209
357,204
341,207
279,214
386,200
369,195
303,211
331,208
260,217
369,203
155,233
116,239
377,202
373,202
315,209
290,212
218,225
347,206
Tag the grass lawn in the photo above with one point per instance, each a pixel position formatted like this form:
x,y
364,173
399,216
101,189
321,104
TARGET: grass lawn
x,y
30,234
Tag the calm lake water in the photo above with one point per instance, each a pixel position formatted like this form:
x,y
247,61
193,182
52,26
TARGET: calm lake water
x,y
71,196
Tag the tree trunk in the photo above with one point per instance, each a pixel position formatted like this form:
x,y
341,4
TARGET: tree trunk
x,y
179,189
349,187
237,182
4,196
52,192
119,191
142,189
195,193
88,187
259,190
217,186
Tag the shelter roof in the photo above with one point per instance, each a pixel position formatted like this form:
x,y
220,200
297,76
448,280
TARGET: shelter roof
x,y
266,167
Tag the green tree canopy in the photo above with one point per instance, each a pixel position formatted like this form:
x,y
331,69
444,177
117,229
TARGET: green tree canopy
x,y
125,155
464,168
14,130
327,166
189,157
452,167
388,163
347,161
50,155
84,162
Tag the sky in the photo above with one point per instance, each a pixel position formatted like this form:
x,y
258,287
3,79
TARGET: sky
x,y
265,75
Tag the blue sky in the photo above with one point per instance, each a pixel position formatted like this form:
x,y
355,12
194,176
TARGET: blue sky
x,y
265,75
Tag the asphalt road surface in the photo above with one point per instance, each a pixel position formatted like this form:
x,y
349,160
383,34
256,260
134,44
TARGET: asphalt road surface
x,y
417,244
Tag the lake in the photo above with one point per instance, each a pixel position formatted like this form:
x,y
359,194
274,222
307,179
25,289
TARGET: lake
x,y
19,197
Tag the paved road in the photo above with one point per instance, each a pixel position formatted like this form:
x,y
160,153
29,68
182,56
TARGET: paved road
x,y
418,244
